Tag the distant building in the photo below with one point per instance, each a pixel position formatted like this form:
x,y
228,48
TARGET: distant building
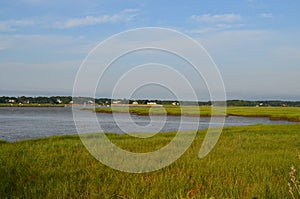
x,y
151,103
135,103
116,102
58,101
11,101
90,102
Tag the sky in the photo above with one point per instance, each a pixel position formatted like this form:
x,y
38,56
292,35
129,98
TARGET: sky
x,y
254,43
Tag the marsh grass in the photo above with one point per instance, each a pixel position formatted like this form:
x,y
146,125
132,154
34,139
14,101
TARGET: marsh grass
x,y
274,113
169,110
294,183
247,162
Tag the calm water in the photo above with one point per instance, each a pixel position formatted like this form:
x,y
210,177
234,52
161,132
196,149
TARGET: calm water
x,y
19,123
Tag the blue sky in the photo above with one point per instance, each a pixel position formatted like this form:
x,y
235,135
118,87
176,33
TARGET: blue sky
x,y
255,43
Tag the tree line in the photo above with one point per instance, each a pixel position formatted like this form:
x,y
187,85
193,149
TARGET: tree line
x,y
108,101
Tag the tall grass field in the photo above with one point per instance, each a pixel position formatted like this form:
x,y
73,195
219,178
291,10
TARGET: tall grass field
x,y
247,162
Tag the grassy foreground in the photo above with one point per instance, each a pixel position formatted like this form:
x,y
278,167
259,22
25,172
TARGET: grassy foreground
x,y
247,162
274,113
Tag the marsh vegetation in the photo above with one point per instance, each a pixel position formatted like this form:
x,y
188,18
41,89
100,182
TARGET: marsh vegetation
x,y
247,162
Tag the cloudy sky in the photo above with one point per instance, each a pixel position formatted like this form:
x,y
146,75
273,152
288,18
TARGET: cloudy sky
x,y
255,43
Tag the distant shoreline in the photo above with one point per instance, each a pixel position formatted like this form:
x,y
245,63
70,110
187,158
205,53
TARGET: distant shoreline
x,y
291,114
69,100
34,105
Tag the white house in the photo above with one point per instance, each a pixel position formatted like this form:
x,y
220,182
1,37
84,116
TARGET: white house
x,y
151,103
58,101
90,102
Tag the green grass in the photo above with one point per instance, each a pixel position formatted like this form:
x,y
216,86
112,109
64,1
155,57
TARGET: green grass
x,y
158,110
247,162
274,113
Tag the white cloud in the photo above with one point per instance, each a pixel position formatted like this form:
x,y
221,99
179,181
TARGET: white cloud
x,y
3,44
88,20
19,41
217,27
15,24
222,18
125,15
219,22
33,2
3,47
266,15
10,25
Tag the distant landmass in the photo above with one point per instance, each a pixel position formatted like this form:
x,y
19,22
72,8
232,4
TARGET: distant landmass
x,y
108,101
